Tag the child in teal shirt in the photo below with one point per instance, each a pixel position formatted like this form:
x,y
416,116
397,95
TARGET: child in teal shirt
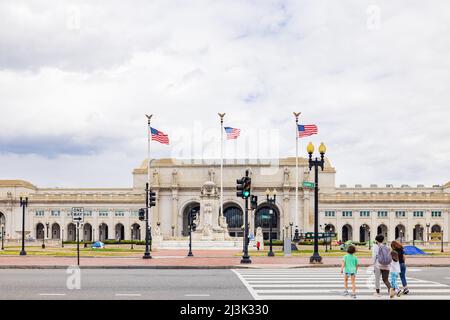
x,y
350,268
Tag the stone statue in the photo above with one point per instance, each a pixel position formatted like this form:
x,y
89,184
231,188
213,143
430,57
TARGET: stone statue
x,y
286,181
155,177
174,177
212,175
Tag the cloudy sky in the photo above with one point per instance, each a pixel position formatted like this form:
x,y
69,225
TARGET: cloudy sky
x,y
77,77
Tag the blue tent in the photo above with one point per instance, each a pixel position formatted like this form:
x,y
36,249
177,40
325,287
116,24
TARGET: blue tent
x,y
412,250
98,244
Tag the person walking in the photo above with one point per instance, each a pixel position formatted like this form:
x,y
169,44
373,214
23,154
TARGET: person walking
x,y
394,273
381,263
397,247
350,267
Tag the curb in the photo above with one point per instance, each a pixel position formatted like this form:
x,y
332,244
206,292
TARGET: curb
x,y
257,267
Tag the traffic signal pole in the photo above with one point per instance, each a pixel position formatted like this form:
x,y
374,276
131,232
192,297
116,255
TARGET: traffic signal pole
x,y
147,208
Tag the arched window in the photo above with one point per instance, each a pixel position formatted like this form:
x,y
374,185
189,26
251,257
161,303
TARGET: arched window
x,y
87,232
103,232
263,217
40,231
436,228
136,232
347,233
234,217
56,231
120,232
364,232
71,232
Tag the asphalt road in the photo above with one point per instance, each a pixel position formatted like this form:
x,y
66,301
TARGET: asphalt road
x,y
122,284
108,284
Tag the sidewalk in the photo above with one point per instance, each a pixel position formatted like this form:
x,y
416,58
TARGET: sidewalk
x,y
206,259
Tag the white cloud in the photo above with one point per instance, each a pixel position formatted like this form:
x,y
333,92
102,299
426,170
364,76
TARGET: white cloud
x,y
378,95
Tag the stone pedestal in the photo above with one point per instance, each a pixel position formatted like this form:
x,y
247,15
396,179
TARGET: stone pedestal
x,y
210,226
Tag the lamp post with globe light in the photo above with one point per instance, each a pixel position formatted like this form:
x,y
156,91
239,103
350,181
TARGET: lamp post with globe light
x,y
316,163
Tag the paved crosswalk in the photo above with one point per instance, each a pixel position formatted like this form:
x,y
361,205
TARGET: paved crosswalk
x,y
327,284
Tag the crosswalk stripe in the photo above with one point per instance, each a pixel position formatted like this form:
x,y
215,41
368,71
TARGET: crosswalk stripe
x,y
337,297
358,290
341,285
328,284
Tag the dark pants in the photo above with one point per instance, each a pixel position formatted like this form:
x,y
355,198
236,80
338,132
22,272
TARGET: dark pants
x,y
384,275
403,274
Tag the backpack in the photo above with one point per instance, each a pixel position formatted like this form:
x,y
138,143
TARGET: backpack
x,y
384,256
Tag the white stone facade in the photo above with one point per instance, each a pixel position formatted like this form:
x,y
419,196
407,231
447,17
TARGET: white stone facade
x,y
178,186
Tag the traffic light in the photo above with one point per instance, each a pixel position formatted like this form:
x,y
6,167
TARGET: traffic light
x,y
247,187
141,214
243,187
240,187
152,199
254,202
192,217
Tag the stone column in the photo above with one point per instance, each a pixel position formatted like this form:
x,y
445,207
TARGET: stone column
x,y
409,227
356,230
391,226
289,213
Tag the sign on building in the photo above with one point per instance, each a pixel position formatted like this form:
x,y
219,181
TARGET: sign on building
x,y
78,215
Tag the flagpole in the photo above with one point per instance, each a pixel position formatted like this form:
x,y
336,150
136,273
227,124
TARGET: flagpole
x,y
149,118
147,190
221,115
296,114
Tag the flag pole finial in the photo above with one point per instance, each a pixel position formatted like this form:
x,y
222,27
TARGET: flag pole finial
x,y
221,115
296,115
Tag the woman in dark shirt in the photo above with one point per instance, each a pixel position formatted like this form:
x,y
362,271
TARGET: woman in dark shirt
x,y
397,247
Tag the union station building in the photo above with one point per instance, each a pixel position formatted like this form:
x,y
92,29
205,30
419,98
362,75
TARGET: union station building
x,y
353,212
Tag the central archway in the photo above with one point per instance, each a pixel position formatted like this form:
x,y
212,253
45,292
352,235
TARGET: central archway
x,y
234,217
262,219
195,206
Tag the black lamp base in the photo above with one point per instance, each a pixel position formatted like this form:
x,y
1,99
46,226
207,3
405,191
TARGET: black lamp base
x,y
315,259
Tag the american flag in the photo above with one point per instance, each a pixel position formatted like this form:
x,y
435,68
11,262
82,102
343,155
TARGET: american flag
x,y
306,130
159,136
232,133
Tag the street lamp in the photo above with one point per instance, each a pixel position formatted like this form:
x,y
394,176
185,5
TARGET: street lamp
x,y
370,240
132,238
3,236
316,163
442,240
325,236
271,199
23,203
291,225
296,235
428,232
192,212
62,238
